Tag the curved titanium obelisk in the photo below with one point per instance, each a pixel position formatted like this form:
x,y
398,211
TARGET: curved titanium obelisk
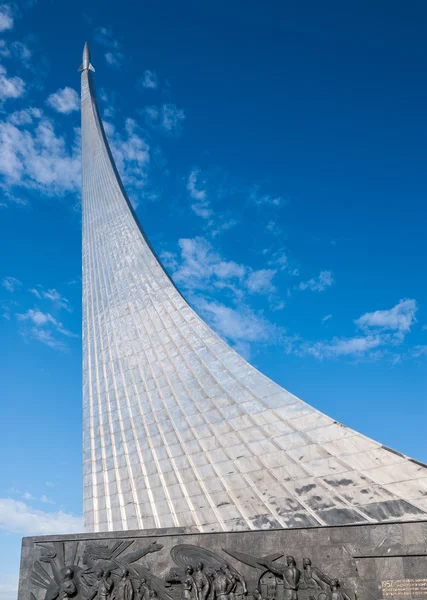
x,y
179,430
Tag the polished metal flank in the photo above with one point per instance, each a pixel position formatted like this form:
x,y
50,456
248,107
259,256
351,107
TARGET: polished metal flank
x,y
179,430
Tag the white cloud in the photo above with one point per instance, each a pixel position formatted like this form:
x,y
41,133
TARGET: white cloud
x,y
105,37
167,118
34,156
383,332
10,87
241,326
172,117
273,228
192,183
265,199
65,100
18,517
326,318
342,346
46,500
114,59
6,18
18,50
221,224
400,318
43,327
11,284
9,587
25,116
196,189
260,282
199,267
131,153
43,498
318,284
21,51
279,259
197,262
149,80
53,295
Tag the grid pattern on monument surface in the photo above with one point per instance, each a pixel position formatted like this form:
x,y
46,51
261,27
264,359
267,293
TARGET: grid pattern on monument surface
x,y
180,430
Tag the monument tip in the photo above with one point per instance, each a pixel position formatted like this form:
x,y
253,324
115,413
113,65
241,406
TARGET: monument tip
x,y
86,64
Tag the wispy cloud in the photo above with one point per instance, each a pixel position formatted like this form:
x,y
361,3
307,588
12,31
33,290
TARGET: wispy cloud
x,y
11,284
241,326
400,318
43,498
265,199
318,284
17,50
279,259
53,295
65,100
200,267
196,188
19,517
260,282
131,153
273,228
10,87
167,119
382,332
326,318
358,345
34,156
114,57
43,327
104,36
149,80
6,17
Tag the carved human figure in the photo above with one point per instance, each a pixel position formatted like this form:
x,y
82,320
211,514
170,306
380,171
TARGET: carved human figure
x,y
234,579
257,594
67,588
336,591
124,588
189,586
94,591
107,586
313,577
221,585
289,573
202,582
143,590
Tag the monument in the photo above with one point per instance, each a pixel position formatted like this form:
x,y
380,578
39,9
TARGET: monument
x,y
179,430
233,486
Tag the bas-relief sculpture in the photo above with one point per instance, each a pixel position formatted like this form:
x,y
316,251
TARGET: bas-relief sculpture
x,y
369,562
107,572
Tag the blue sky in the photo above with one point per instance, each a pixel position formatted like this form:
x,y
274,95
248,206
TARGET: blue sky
x,y
276,158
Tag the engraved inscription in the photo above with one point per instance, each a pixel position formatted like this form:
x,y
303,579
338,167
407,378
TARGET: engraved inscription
x,y
404,587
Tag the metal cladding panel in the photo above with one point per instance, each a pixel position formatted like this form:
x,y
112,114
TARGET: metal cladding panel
x,y
179,430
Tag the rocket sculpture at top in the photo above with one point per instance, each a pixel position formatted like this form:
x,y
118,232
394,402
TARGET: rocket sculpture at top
x,y
178,429
86,64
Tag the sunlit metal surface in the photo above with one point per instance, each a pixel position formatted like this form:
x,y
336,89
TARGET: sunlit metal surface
x,y
178,428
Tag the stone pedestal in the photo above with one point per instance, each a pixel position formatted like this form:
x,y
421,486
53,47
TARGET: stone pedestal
x,y
326,563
